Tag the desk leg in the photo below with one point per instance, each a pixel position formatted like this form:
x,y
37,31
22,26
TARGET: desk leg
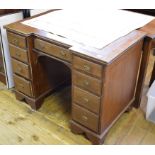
x,y
93,137
153,75
34,103
142,72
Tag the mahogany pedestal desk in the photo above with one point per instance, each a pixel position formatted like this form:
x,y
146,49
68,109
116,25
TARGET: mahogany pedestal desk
x,y
105,83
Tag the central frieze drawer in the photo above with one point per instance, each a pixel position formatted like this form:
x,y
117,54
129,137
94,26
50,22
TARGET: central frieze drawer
x,y
86,82
85,117
87,66
52,49
23,85
16,40
86,99
21,68
18,53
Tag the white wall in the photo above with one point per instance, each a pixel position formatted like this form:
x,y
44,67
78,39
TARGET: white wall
x,y
37,11
4,20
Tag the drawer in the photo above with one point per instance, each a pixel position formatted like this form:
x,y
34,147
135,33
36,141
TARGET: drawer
x,y
89,83
18,53
23,85
86,99
85,117
21,68
52,49
87,66
16,40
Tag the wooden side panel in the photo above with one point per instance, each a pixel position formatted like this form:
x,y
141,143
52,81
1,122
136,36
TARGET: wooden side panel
x,y
119,84
39,79
142,72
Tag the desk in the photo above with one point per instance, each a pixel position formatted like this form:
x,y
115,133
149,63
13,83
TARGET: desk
x,y
105,82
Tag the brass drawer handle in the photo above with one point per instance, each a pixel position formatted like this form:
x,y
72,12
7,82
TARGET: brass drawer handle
x,y
85,118
86,68
63,53
19,69
21,86
42,46
86,100
15,41
18,55
86,83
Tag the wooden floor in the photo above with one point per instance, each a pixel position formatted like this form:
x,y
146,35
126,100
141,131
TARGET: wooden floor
x,y
50,125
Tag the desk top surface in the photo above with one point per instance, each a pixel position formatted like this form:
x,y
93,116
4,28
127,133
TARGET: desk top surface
x,y
98,34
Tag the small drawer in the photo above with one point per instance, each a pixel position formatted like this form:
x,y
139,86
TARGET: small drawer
x,y
16,40
23,85
85,117
87,66
18,53
86,99
21,68
89,83
52,49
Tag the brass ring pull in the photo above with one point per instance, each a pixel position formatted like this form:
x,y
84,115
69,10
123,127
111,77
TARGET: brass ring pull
x,y
86,100
85,118
21,86
86,83
15,41
18,55
19,69
86,68
63,53
42,47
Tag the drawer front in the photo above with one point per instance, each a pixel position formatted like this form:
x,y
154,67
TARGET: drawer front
x,y
86,99
21,68
85,117
87,66
16,40
52,49
23,85
89,83
18,53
